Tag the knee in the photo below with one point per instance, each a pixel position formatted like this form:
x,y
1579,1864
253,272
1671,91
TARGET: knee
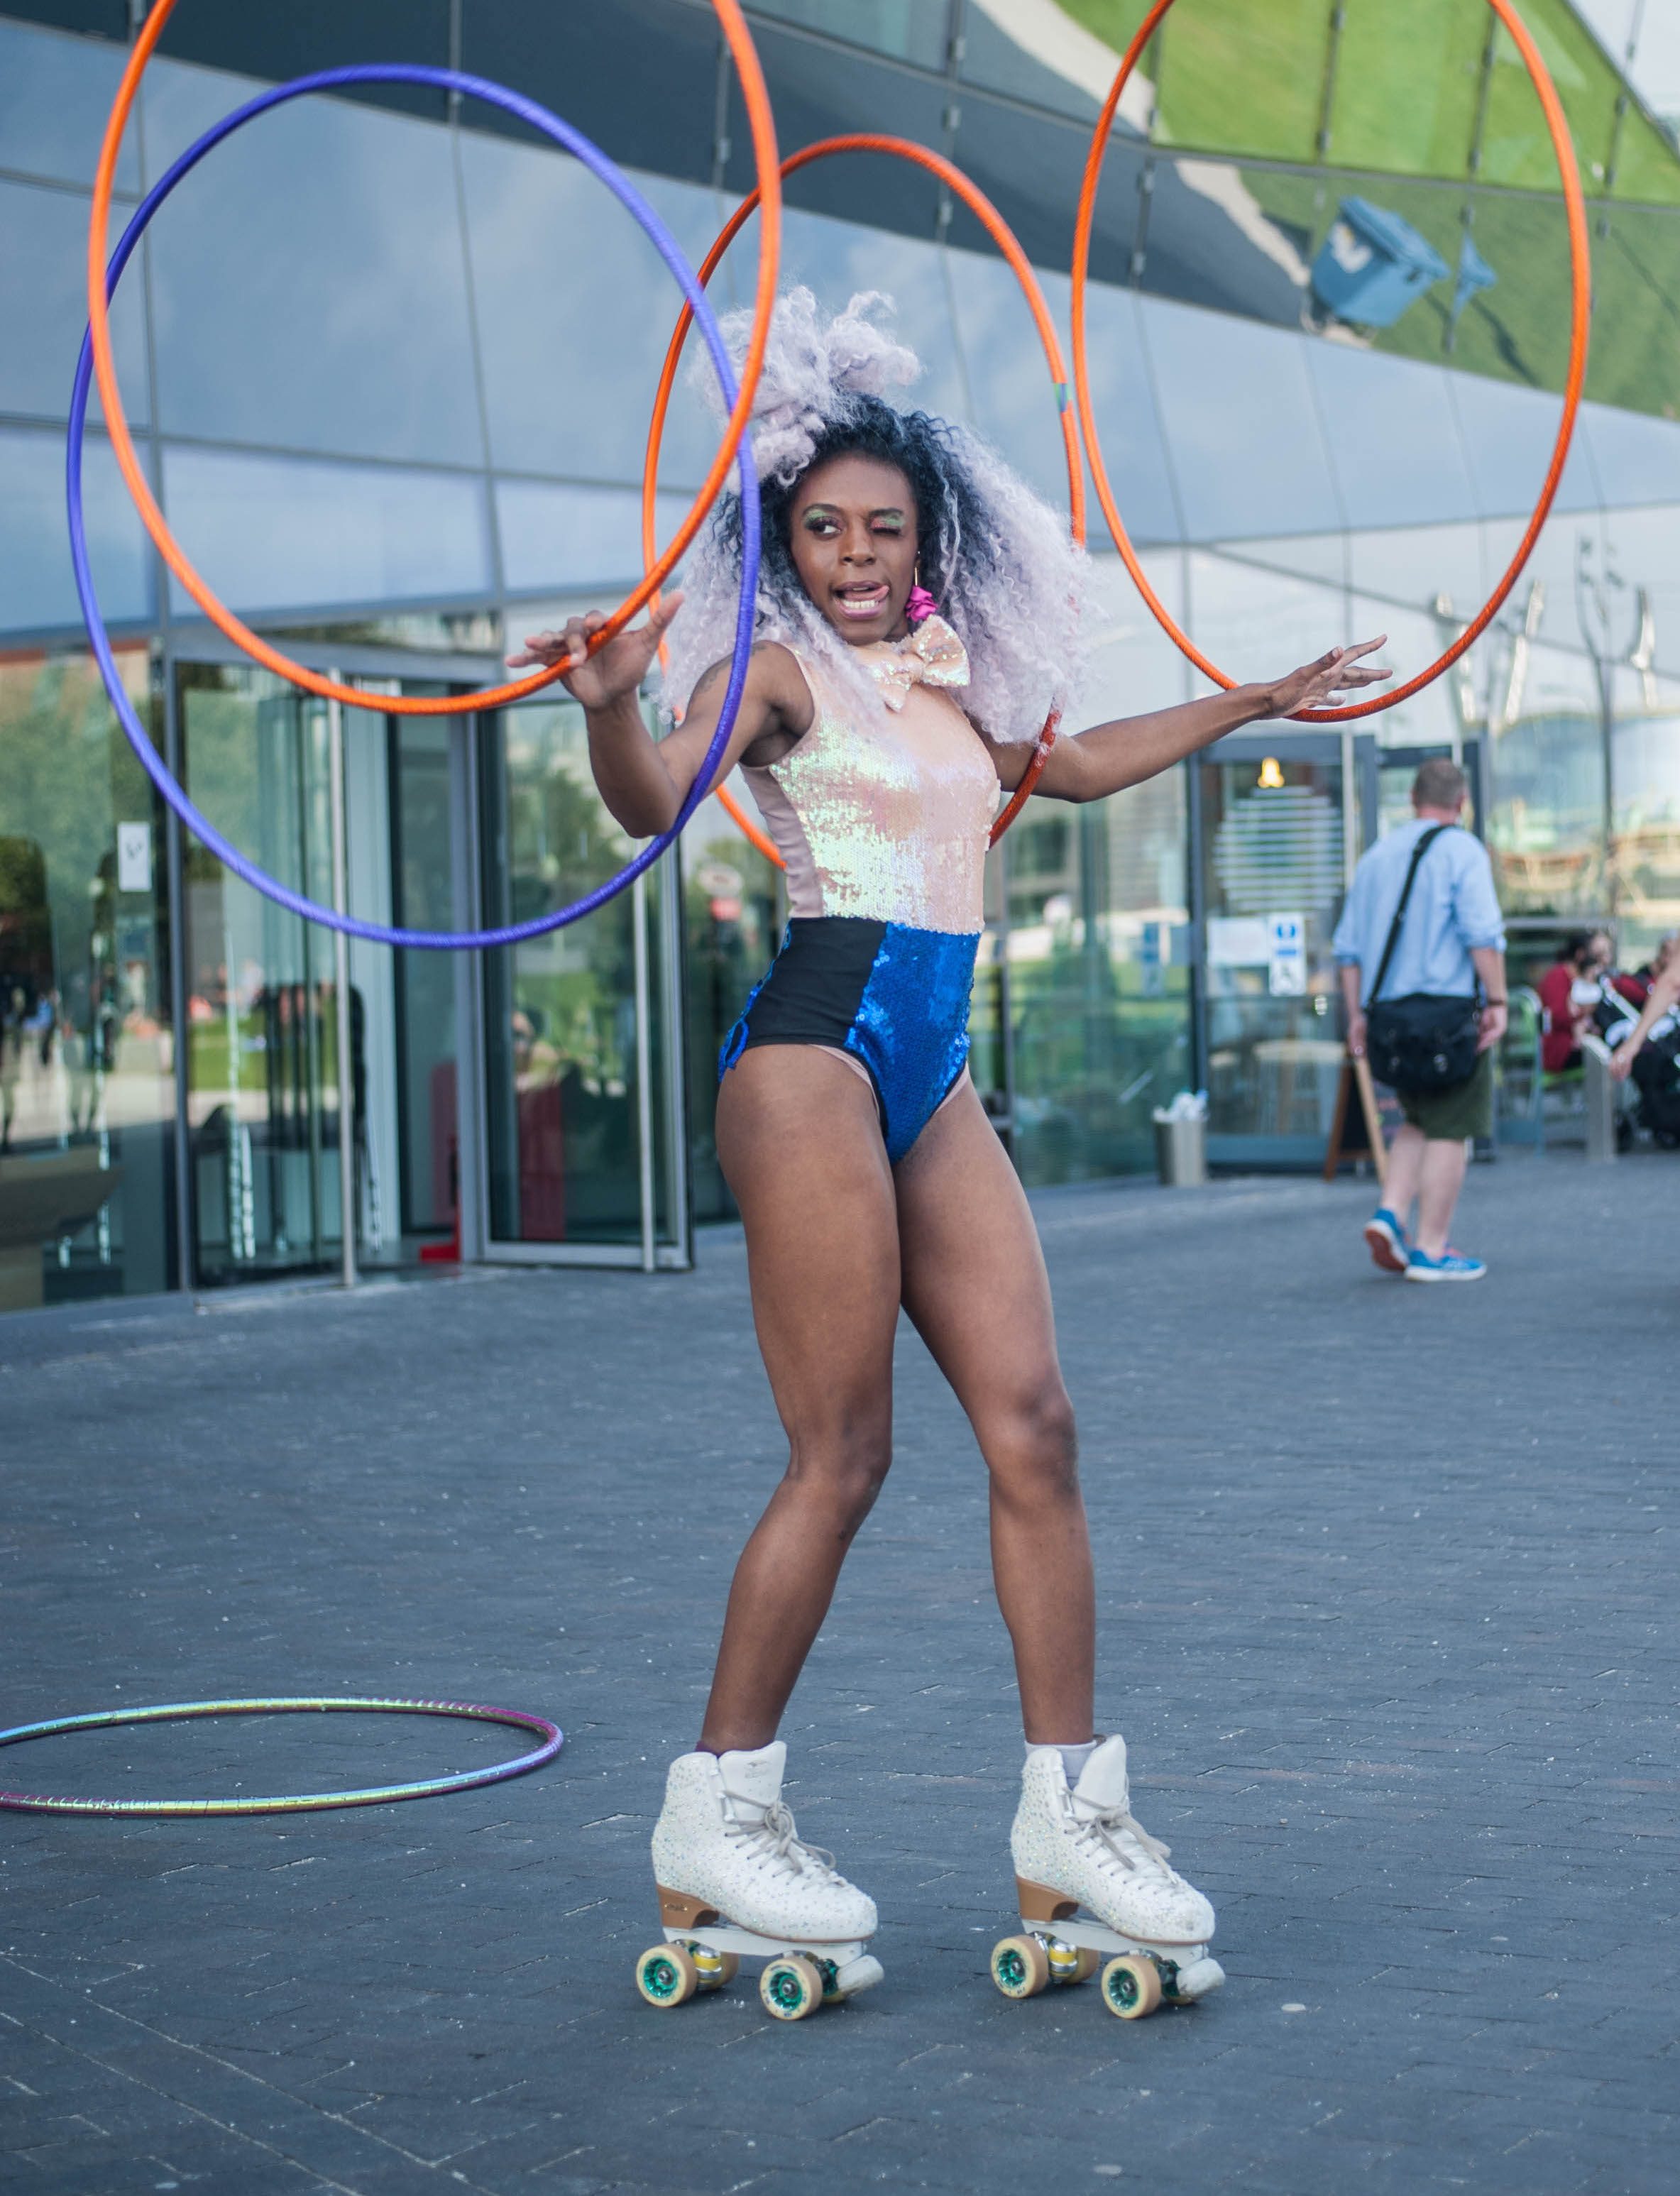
x,y
1033,1447
843,1471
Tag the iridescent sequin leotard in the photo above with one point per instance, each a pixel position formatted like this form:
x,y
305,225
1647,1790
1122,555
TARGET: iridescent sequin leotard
x,y
882,821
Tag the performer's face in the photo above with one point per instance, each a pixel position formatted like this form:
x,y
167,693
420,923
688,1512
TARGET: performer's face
x,y
853,537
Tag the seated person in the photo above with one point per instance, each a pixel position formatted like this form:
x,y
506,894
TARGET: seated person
x,y
1569,992
1635,984
1663,998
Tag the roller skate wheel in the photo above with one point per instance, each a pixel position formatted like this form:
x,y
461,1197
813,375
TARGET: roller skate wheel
x,y
716,1968
667,1975
1020,1966
1131,1986
791,1987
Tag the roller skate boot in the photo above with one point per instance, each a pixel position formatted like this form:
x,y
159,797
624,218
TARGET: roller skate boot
x,y
1092,1883
735,1880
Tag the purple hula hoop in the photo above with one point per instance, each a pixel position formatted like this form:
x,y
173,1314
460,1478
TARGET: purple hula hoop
x,y
571,141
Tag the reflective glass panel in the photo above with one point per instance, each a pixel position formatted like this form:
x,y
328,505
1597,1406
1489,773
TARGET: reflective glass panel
x,y
1508,434
425,1199
87,1062
561,1011
1134,449
556,537
262,1071
55,93
37,591
570,392
1416,565
1394,438
1546,775
1447,708
1644,547
43,241
1258,624
1273,867
908,29
1428,131
1645,851
1236,239
1238,406
308,283
1515,148
1046,54
272,533
1635,267
1245,79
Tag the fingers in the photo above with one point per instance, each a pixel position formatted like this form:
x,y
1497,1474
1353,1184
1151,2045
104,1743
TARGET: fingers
x,y
660,616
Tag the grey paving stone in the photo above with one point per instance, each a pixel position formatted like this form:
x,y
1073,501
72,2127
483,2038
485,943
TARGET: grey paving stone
x,y
1387,1616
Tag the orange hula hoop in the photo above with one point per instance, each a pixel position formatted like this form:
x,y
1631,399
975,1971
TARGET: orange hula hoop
x,y
1580,270
1004,237
757,98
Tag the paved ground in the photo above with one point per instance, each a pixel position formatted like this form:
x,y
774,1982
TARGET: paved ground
x,y
1388,1618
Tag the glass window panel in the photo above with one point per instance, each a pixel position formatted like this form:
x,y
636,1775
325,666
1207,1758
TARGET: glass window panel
x,y
1014,403
36,590
560,1009
1518,331
1029,166
1644,547
1635,267
1634,459
1122,397
286,533
1645,773
1244,79
1447,708
1430,131
276,43
1258,624
308,282
1414,565
87,1087
568,393
55,93
1241,423
262,1066
1647,168
1235,238
1545,824
1035,50
1507,435
422,796
1394,438
1321,557
44,242
1551,569
1515,148
559,537
908,29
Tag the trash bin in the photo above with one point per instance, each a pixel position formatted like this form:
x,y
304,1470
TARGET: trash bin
x,y
1181,1141
1372,265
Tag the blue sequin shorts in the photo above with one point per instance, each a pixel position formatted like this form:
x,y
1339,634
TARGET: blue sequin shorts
x,y
895,999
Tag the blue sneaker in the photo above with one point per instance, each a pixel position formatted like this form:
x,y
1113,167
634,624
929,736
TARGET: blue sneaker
x,y
1387,1240
1451,1266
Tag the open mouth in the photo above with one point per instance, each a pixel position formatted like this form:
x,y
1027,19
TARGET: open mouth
x,y
863,599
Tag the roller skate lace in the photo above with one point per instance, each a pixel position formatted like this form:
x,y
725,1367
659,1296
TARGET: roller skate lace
x,y
773,1838
1115,1839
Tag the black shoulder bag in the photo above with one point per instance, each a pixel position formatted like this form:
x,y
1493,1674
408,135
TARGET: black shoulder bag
x,y
1423,1043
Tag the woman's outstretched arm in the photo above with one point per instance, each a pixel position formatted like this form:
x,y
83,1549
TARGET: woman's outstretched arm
x,y
1086,766
645,781
1665,993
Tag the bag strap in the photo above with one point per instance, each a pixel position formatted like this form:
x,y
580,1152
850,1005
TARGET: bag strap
x,y
1418,852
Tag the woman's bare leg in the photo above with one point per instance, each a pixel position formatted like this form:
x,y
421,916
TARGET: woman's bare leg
x,y
799,1143
974,1284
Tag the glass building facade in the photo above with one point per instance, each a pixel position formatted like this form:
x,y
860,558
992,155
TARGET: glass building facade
x,y
389,361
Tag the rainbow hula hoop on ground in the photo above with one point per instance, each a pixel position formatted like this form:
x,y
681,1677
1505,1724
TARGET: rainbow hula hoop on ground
x,y
44,1803
1580,271
736,449
901,148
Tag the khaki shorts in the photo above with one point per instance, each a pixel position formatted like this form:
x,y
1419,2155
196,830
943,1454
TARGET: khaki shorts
x,y
1466,1109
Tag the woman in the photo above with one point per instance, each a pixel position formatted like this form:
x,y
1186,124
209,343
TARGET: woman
x,y
1662,997
917,617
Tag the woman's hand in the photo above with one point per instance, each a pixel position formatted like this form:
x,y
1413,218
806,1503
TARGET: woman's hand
x,y
1621,1060
615,670
1339,672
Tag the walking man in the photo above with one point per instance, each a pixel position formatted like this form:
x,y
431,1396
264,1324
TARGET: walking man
x,y
1422,927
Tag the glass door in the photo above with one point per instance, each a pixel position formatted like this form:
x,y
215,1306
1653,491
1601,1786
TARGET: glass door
x,y
1276,845
584,1121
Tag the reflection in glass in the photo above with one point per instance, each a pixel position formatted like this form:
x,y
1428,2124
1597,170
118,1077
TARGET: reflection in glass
x,y
55,93
43,306
734,906
1238,410
1273,861
1394,439
308,282
1645,852
1135,452
554,536
1429,135
261,1064
274,532
561,1009
1546,773
37,592
418,769
87,1093
908,29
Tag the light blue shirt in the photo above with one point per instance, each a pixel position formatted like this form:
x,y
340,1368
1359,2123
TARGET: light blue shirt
x,y
1453,907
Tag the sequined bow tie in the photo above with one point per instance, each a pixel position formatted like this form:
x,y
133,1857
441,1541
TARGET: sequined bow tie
x,y
930,656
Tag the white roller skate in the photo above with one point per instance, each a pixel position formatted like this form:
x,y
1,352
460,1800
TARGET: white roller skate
x,y
1084,1849
735,1880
